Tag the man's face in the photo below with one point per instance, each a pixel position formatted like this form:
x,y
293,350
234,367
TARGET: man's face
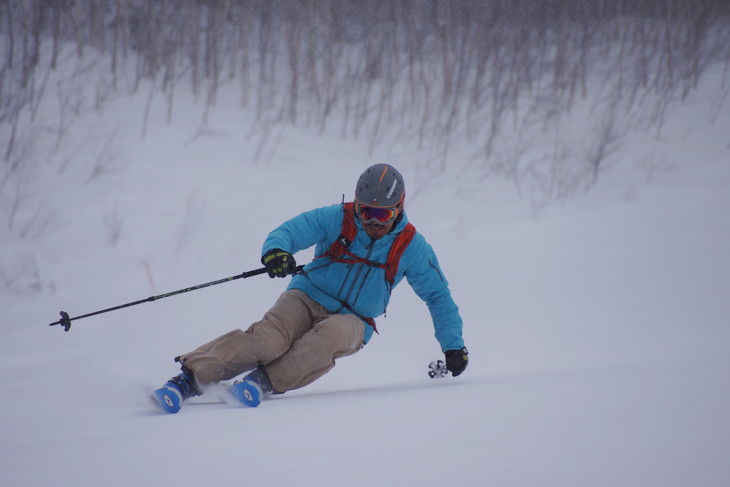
x,y
376,221
377,230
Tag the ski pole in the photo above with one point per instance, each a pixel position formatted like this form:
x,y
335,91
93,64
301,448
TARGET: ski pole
x,y
66,320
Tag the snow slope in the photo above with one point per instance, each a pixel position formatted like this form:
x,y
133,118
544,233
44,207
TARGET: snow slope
x,y
598,330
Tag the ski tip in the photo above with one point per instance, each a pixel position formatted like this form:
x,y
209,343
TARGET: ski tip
x,y
247,393
167,400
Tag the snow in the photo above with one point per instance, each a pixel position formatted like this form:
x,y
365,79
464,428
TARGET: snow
x,y
598,328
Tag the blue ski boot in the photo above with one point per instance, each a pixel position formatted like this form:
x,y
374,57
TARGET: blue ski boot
x,y
169,398
253,388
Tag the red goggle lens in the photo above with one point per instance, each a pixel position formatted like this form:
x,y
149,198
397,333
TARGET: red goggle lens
x,y
381,215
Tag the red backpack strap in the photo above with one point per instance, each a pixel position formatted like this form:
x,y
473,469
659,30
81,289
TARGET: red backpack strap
x,y
396,251
347,234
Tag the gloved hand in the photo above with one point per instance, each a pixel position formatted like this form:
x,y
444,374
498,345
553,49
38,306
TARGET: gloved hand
x,y
457,360
278,263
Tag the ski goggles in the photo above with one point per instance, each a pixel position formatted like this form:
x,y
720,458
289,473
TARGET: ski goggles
x,y
375,214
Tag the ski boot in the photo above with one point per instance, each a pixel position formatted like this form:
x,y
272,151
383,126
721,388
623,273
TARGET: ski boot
x,y
169,398
253,388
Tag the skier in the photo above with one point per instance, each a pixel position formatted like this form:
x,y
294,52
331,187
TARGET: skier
x,y
362,250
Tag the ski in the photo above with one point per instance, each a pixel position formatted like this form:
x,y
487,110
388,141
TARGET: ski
x,y
240,394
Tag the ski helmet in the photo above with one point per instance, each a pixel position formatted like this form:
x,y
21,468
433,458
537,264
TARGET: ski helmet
x,y
380,185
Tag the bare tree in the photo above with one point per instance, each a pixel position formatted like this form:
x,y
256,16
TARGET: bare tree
x,y
434,73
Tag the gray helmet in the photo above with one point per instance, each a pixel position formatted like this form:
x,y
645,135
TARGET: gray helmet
x,y
380,185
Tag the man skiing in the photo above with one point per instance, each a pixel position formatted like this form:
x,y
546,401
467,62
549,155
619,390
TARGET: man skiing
x,y
362,250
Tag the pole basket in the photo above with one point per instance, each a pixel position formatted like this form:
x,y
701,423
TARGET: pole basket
x,y
437,369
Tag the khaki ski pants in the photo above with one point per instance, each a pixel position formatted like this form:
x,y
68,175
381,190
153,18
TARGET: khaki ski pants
x,y
297,342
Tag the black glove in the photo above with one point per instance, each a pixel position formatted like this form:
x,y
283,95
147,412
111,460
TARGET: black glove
x,y
278,263
457,360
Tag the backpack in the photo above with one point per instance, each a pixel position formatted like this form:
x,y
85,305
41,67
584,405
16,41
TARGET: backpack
x,y
338,251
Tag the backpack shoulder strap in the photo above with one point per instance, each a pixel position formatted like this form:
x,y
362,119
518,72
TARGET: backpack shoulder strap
x,y
400,243
347,233
349,229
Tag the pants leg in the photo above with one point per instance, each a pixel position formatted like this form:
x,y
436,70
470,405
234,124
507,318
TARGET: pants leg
x,y
314,354
237,351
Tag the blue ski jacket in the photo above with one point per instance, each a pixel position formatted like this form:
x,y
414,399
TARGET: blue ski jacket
x,y
360,288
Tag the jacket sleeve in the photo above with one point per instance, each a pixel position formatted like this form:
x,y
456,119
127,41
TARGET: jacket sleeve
x,y
305,230
428,282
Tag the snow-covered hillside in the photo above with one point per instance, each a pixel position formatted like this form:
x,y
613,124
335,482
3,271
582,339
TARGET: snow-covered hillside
x,y
598,328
